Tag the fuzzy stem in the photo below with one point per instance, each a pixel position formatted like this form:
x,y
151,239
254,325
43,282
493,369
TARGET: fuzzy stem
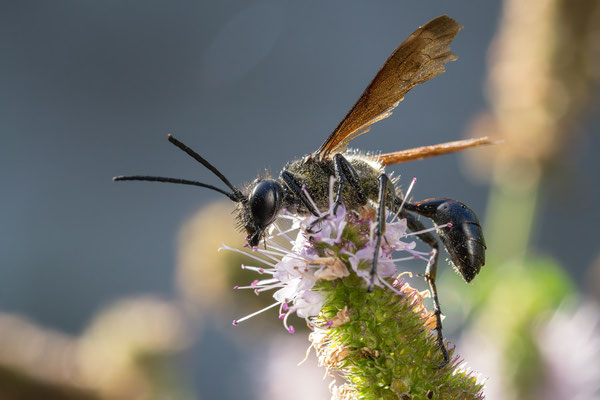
x,y
381,344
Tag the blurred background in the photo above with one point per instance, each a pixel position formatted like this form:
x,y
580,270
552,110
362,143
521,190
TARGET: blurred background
x,y
116,290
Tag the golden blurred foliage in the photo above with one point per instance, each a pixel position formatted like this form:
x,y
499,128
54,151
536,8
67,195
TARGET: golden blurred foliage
x,y
115,353
544,67
204,273
36,362
206,276
125,353
544,70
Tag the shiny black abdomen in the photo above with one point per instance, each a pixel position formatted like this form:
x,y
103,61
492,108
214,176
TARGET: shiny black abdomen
x,y
464,240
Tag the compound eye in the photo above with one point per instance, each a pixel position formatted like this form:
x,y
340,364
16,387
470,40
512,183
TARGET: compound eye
x,y
265,202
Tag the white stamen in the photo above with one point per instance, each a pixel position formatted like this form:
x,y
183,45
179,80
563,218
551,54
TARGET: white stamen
x,y
286,216
419,253
276,250
285,324
291,255
278,253
281,232
267,288
310,200
279,247
412,183
402,259
225,247
266,282
390,286
270,257
260,270
435,228
237,321
261,284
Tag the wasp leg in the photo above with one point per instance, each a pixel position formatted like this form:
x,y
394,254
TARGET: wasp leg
x,y
383,180
430,274
344,174
294,184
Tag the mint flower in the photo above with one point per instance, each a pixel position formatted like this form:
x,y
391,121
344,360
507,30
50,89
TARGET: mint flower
x,y
380,343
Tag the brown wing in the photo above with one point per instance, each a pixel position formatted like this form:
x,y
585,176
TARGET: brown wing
x,y
419,58
419,153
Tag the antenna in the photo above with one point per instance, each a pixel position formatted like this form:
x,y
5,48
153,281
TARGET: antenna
x,y
173,180
202,161
236,194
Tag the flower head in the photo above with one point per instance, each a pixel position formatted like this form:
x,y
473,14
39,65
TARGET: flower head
x,y
324,248
380,342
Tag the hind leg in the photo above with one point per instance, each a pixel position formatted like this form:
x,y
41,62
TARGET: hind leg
x,y
430,275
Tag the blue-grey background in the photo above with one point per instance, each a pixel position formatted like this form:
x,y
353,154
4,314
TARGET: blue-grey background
x,y
89,90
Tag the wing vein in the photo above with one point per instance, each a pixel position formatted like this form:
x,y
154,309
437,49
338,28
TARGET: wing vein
x,y
419,58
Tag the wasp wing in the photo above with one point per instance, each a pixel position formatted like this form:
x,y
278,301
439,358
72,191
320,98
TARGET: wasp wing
x,y
419,153
419,58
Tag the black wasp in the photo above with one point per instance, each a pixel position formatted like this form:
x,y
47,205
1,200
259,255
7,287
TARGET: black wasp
x,y
361,178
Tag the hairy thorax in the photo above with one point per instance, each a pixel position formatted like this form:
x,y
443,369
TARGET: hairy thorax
x,y
315,175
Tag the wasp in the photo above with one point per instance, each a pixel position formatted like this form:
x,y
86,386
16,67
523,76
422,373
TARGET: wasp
x,y
361,178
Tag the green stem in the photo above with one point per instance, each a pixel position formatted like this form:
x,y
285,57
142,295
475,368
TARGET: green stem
x,y
385,348
510,217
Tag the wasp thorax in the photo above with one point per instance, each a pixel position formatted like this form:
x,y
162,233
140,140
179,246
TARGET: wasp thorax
x,y
265,201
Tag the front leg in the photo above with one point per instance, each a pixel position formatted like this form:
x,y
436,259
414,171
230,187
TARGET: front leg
x,y
294,184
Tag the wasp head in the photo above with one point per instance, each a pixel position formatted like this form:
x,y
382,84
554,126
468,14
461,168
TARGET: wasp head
x,y
260,209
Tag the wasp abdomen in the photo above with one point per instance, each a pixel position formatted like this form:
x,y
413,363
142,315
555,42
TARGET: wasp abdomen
x,y
463,240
